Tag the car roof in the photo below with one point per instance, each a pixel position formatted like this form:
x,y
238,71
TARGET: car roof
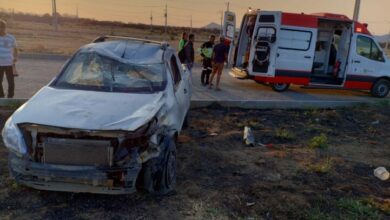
x,y
130,49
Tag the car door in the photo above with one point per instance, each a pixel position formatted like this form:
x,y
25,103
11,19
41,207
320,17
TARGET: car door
x,y
264,44
295,55
366,63
182,89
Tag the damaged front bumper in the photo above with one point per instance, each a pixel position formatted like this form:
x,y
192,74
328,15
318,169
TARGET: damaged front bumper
x,y
80,179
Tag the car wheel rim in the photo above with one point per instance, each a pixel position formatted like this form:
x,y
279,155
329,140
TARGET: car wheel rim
x,y
280,86
382,89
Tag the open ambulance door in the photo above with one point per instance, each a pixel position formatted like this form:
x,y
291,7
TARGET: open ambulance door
x,y
263,49
229,32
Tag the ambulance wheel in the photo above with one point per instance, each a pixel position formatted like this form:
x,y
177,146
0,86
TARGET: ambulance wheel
x,y
280,87
381,88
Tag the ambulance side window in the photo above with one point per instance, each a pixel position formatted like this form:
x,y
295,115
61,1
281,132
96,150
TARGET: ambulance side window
x,y
366,47
295,39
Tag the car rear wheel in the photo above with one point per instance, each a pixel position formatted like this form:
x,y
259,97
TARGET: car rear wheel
x,y
381,88
280,87
159,174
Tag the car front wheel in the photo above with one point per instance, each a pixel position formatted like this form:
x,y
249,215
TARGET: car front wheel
x,y
381,88
159,174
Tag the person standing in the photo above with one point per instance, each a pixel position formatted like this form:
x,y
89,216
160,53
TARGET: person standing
x,y
8,57
219,57
182,43
189,52
206,52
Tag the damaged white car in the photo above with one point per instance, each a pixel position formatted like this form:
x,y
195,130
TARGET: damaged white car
x,y
106,124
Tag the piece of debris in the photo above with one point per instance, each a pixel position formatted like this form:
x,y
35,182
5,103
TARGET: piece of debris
x,y
381,173
249,138
265,145
213,134
249,204
375,122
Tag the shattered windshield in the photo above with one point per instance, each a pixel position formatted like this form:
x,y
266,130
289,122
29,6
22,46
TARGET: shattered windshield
x,y
91,71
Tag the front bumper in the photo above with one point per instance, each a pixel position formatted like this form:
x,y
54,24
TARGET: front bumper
x,y
80,179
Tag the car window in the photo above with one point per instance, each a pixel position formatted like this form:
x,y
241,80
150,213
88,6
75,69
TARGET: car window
x,y
366,47
175,70
92,71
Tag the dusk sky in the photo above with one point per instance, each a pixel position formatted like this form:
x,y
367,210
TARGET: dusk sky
x,y
374,12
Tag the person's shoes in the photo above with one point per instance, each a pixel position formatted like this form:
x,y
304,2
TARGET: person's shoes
x,y
217,89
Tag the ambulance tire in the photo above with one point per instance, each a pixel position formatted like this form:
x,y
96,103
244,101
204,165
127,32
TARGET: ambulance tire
x,y
280,87
381,88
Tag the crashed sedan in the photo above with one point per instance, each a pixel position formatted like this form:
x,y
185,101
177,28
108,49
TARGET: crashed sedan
x,y
107,123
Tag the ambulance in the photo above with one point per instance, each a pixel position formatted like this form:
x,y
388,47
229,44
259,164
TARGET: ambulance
x,y
320,50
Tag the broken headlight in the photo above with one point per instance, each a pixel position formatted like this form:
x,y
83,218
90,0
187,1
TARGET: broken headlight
x,y
13,138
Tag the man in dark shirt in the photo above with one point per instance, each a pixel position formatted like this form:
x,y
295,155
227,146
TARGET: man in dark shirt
x,y
189,52
219,58
206,51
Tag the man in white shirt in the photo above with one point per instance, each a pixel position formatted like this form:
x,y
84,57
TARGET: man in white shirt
x,y
8,57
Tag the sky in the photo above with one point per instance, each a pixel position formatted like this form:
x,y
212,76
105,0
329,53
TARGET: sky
x,y
374,12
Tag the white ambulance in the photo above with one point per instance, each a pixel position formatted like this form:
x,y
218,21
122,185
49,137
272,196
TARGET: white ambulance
x,y
315,50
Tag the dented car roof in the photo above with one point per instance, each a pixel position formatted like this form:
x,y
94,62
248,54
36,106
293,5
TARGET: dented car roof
x,y
137,52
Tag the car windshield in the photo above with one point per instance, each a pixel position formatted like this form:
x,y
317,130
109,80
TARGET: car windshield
x,y
92,71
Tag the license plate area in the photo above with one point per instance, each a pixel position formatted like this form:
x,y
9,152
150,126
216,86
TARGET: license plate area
x,y
64,151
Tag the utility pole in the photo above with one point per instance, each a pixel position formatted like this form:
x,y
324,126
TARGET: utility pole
x,y
151,21
191,25
166,18
388,39
221,22
77,11
356,11
55,18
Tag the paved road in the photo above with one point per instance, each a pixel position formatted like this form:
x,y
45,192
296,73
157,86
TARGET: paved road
x,y
37,71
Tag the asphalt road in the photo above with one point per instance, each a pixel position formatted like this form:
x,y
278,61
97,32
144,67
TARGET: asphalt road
x,y
36,71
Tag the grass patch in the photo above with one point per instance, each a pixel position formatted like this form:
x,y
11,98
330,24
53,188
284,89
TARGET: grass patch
x,y
320,142
322,167
284,134
344,208
355,209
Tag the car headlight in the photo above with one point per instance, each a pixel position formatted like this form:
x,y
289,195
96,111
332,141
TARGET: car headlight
x,y
13,138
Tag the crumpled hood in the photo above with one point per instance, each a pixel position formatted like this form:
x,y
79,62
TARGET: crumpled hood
x,y
89,110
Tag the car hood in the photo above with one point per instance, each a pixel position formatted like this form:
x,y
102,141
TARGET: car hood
x,y
89,110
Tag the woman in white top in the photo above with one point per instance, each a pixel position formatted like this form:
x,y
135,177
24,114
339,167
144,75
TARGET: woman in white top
x,y
8,56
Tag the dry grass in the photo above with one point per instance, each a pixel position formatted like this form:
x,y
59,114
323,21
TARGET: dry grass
x,y
33,37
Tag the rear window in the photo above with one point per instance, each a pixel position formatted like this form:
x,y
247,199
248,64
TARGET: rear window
x,y
294,39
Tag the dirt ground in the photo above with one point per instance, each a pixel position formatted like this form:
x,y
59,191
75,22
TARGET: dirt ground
x,y
313,164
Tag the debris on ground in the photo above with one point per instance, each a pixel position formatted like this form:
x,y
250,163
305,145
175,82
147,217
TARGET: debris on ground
x,y
249,138
381,173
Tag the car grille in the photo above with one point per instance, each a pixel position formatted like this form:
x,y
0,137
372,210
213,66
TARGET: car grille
x,y
64,151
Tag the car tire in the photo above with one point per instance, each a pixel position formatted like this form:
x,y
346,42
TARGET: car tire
x,y
280,87
381,88
159,174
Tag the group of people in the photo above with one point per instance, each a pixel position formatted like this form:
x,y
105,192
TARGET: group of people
x,y
213,55
8,57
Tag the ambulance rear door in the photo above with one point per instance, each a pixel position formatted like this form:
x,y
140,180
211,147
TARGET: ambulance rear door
x,y
264,44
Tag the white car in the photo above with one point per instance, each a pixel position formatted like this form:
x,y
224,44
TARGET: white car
x,y
106,124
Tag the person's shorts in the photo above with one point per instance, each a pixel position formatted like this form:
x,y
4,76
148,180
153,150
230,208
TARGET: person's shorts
x,y
218,68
